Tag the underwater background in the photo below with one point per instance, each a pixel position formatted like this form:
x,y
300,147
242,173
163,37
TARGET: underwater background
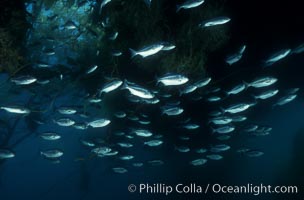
x,y
92,97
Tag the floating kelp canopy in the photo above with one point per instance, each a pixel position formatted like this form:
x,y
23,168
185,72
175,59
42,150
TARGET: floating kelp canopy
x,y
88,43
61,33
13,27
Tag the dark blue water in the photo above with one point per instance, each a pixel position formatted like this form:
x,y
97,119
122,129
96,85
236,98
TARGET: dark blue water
x,y
81,175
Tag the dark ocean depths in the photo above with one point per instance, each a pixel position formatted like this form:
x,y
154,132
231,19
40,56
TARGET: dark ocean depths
x,y
263,26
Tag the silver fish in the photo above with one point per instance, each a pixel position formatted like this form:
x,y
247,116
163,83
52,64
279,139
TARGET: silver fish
x,y
113,85
138,91
64,122
125,145
103,4
182,149
70,25
101,150
91,69
147,51
286,99
126,157
191,126
254,153
214,98
155,162
66,110
266,94
262,82
120,114
53,153
201,150
50,136
238,118
203,82
187,89
237,89
113,36
214,22
277,56
142,132
223,129
173,79
80,126
87,143
220,148
172,111
222,120
24,80
233,58
198,162
15,109
138,164
99,123
119,170
153,143
5,153
214,157
236,108
189,4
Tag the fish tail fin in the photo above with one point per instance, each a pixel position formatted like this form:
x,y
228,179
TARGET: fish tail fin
x,y
212,130
222,110
157,80
178,8
247,85
133,52
124,85
227,94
